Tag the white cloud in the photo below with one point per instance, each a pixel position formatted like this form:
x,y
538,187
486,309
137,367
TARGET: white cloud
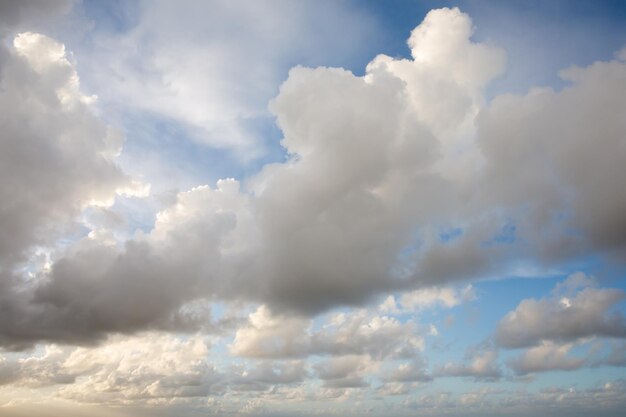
x,y
357,333
151,368
428,298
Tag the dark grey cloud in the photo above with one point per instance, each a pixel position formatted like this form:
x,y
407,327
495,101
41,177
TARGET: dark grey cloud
x,y
23,14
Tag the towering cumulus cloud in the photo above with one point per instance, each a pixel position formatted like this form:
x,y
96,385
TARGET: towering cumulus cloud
x,y
398,179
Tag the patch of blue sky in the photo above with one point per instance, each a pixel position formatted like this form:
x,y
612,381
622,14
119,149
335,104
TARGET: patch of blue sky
x,y
542,38
166,150
109,16
506,235
450,234
578,379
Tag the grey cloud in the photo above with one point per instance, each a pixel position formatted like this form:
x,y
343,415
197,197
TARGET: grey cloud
x,y
344,372
376,166
588,312
546,357
55,155
482,365
9,372
269,374
100,288
560,155
17,15
317,231
616,357
414,371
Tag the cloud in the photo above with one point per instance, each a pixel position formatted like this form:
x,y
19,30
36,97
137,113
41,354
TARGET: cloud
x,y
147,368
344,372
546,357
378,165
358,333
414,371
16,15
562,317
100,288
317,231
56,156
557,157
267,336
268,375
431,297
482,365
235,55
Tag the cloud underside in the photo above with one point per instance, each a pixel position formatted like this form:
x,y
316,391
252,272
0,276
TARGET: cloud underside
x,y
380,169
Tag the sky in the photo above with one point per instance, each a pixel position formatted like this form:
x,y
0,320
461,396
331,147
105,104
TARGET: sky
x,y
329,208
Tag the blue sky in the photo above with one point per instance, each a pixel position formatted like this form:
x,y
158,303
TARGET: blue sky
x,y
295,208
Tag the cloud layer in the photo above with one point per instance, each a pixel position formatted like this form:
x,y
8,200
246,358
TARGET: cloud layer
x,y
395,180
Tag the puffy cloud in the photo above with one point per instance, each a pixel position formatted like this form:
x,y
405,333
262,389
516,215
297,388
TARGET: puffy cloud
x,y
482,366
277,252
358,333
414,371
269,336
100,288
379,337
345,371
362,178
431,297
546,357
268,375
56,156
145,368
377,166
556,156
323,229
564,317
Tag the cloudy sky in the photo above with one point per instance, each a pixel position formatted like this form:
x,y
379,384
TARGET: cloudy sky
x,y
329,208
